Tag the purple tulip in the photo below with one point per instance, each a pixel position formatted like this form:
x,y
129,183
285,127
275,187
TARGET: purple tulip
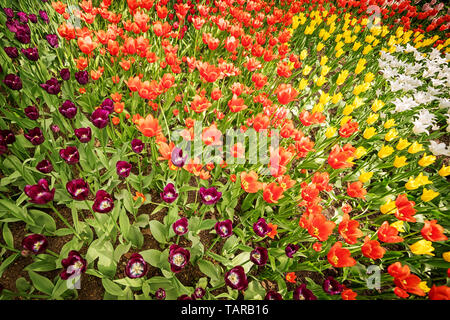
x,y
31,54
169,193
259,256
160,294
136,267
108,105
23,35
100,118
82,77
52,86
83,134
7,136
23,17
185,297
32,112
35,136
70,155
224,228
36,243
178,258
261,227
78,189
209,196
13,25
52,40
177,157
12,52
103,202
74,264
137,145
199,293
331,286
123,168
303,293
44,166
291,249
9,12
236,278
273,295
65,74
32,17
68,109
43,16
55,128
180,226
13,82
40,192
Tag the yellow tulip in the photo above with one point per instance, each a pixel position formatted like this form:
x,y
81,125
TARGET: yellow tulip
x,y
341,77
320,81
303,54
324,71
306,70
389,207
377,105
424,287
426,160
415,147
422,247
398,225
400,161
444,171
369,132
412,184
345,120
320,46
336,98
367,49
303,84
428,195
360,151
331,131
385,151
391,135
389,124
356,46
423,180
368,78
402,144
446,256
372,118
360,65
324,98
365,176
348,109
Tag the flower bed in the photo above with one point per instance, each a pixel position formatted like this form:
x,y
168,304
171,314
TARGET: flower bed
x,y
224,150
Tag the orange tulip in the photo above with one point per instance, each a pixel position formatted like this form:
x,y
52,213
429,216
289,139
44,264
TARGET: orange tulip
x,y
149,126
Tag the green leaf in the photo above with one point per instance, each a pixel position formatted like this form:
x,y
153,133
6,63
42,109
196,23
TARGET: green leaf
x,y
121,250
7,262
152,256
208,269
41,283
112,288
158,231
59,289
7,236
